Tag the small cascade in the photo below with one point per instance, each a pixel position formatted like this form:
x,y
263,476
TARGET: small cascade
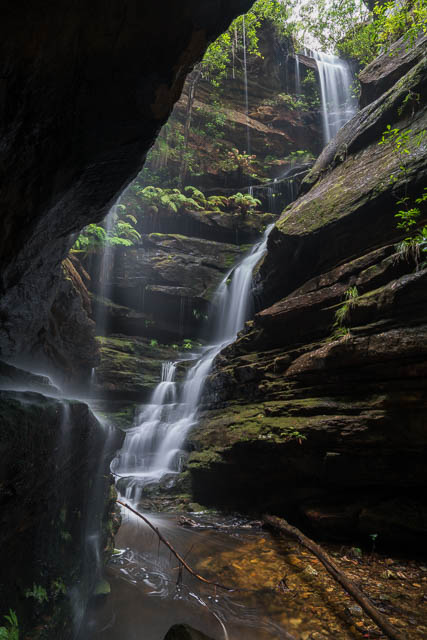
x,y
107,261
153,448
281,191
297,76
245,77
338,105
64,430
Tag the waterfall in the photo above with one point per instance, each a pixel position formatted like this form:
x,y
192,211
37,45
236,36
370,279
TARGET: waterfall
x,y
245,75
338,105
153,448
297,76
106,265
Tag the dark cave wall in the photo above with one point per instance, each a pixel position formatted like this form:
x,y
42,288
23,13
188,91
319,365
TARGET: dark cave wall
x,y
84,89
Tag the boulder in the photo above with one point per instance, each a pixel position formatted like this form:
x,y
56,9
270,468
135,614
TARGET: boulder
x,y
184,632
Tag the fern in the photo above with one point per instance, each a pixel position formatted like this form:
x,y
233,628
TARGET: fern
x,y
11,632
196,194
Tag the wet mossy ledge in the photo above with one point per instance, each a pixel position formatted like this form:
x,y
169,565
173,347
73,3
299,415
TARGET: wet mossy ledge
x,y
57,505
162,287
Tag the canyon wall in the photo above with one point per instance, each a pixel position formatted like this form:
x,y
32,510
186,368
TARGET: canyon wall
x,y
318,410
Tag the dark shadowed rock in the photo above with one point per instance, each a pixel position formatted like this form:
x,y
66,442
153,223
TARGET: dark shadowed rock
x,y
84,91
163,287
184,632
55,487
14,379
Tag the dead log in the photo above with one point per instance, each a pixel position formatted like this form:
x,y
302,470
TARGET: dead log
x,y
381,621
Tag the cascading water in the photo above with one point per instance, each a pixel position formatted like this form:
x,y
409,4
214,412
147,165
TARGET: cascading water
x,y
153,448
338,104
106,265
297,76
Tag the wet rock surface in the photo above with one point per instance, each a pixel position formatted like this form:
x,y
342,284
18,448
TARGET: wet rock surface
x,y
169,281
163,287
317,410
130,368
283,118
50,502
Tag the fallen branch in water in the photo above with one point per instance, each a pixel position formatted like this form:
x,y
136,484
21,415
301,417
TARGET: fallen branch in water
x,y
183,563
285,528
180,559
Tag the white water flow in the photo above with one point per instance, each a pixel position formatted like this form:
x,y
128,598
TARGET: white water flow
x,y
153,448
338,105
106,266
297,76
245,77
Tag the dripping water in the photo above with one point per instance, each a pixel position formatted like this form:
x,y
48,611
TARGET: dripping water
x,y
106,266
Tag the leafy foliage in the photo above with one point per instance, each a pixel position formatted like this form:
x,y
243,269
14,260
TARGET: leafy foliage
x,y
244,203
38,592
395,20
381,28
328,21
410,212
227,50
241,161
152,200
11,631
123,233
341,314
155,198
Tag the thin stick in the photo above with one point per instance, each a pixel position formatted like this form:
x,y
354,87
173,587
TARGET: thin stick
x,y
349,586
175,553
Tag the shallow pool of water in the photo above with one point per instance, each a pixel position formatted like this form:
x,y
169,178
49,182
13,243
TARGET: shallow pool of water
x,y
279,587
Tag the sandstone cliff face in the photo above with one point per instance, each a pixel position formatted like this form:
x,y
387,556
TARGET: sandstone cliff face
x,y
282,118
321,414
84,91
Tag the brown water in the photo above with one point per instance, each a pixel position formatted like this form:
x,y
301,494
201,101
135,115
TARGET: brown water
x,y
287,589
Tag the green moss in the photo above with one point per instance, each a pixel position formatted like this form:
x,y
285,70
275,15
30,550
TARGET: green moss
x,y
203,458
